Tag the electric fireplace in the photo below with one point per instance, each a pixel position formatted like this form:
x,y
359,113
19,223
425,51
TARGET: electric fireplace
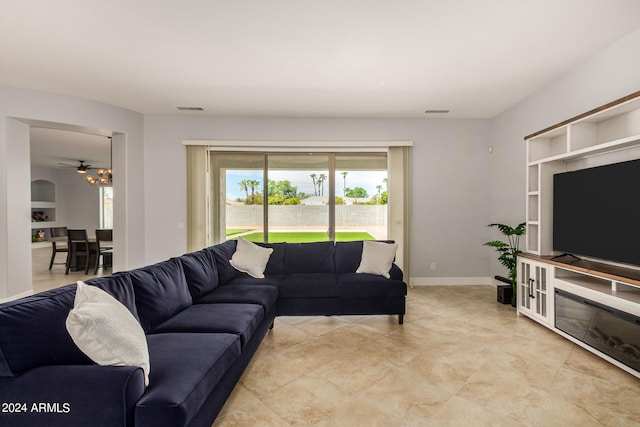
x,y
613,332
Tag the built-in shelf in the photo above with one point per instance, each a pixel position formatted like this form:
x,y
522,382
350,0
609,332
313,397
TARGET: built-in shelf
x,y
43,205
43,191
532,177
548,145
614,286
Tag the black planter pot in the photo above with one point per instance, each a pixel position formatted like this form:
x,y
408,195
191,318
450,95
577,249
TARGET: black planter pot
x,y
505,292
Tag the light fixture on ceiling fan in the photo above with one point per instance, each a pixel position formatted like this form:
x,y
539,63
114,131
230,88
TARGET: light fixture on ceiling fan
x,y
105,176
81,168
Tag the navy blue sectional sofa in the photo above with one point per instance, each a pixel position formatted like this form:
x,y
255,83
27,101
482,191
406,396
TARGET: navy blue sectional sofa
x,y
203,321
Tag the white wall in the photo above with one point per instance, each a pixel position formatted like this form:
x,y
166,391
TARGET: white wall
x,y
19,108
610,75
450,171
77,202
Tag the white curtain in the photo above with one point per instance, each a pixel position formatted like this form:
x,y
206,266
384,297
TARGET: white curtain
x,y
197,197
399,163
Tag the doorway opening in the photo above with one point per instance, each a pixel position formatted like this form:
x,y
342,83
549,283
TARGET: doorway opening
x,y
63,157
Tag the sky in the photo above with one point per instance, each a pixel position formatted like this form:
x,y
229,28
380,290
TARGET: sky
x,y
301,179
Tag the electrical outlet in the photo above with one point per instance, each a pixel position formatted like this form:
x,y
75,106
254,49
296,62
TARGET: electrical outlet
x,y
433,266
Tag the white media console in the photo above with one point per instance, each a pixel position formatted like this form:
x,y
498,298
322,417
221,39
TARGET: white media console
x,y
594,304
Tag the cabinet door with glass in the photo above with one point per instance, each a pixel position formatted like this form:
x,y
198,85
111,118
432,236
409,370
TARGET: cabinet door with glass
x,y
534,293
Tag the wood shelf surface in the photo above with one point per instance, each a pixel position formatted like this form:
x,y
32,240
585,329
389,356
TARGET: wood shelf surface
x,y
593,112
606,271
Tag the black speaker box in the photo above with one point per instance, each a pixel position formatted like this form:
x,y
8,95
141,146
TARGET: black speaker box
x,y
505,293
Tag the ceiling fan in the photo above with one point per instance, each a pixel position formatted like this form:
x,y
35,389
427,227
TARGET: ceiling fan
x,y
81,168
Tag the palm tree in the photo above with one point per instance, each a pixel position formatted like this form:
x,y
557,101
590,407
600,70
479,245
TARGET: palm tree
x,y
379,188
253,184
321,181
244,185
344,181
313,177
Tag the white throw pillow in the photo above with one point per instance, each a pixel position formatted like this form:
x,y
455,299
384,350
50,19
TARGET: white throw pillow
x,y
250,258
106,331
377,258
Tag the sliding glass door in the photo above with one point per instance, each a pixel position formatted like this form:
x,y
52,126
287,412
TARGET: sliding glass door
x,y
361,196
298,197
298,204
236,194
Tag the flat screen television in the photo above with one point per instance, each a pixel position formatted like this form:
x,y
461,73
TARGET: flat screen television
x,y
596,212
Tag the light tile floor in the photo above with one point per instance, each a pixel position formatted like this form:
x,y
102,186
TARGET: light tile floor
x,y
43,279
460,359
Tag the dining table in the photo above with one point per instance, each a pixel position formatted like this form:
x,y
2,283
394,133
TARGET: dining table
x,y
93,249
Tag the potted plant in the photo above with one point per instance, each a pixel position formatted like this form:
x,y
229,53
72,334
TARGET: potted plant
x,y
509,250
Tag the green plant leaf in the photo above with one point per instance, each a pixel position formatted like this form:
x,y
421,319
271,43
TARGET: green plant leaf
x,y
496,244
508,252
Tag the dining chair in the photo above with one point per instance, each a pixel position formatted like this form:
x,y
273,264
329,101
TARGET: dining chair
x,y
104,246
58,244
79,249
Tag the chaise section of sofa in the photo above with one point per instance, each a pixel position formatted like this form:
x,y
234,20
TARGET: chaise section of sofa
x,y
198,350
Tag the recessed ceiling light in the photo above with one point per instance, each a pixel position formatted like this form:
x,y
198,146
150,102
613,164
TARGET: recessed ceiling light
x,y
190,108
436,111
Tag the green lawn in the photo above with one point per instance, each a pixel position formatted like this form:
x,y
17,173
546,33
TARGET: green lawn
x,y
308,236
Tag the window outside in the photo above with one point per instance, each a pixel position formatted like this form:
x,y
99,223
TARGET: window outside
x,y
299,189
106,207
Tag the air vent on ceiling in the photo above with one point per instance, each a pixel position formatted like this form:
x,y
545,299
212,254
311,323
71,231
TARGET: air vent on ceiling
x,y
190,108
436,111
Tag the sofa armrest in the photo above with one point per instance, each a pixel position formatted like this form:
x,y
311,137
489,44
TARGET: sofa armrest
x,y
396,273
65,395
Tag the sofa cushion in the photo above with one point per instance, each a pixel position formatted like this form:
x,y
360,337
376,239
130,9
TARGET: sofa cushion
x,y
265,295
200,271
245,279
359,285
185,368
308,285
348,256
276,260
250,258
240,319
33,332
222,253
396,273
119,286
314,257
161,291
377,258
106,331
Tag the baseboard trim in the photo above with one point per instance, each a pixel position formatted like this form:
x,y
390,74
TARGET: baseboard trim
x,y
452,281
17,296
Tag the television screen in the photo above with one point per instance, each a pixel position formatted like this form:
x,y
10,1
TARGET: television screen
x,y
596,212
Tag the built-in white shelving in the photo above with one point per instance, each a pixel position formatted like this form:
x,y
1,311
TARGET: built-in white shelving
x,y
43,202
614,128
608,134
